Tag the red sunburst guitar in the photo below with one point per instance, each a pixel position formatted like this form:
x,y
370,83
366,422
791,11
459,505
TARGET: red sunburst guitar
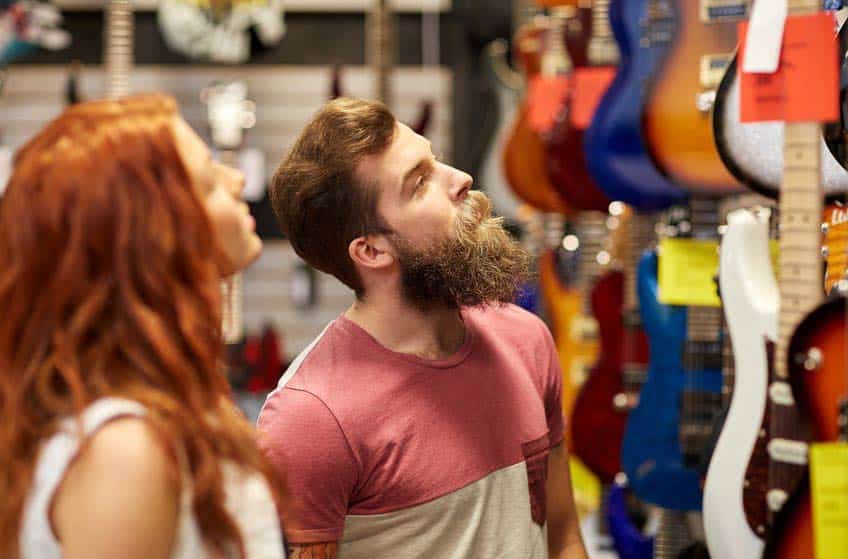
x,y
600,410
567,167
524,152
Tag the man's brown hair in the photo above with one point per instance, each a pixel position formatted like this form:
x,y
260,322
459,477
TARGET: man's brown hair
x,y
320,202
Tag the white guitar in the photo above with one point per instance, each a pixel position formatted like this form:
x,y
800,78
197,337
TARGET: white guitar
x,y
507,85
230,113
750,298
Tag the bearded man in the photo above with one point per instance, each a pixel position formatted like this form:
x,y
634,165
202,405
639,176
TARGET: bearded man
x,y
425,421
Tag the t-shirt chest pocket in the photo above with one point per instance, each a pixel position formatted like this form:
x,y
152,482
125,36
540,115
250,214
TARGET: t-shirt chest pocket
x,y
536,460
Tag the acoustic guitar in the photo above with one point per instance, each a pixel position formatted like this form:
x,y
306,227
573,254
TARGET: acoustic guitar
x,y
616,152
524,152
677,122
566,159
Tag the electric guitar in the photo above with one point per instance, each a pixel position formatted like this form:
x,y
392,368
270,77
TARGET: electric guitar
x,y
381,48
627,538
835,249
615,148
507,85
667,430
819,382
817,370
750,299
566,273
773,433
566,160
611,391
229,115
753,151
524,152
682,95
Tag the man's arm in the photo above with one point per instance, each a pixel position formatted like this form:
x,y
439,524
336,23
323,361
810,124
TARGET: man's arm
x,y
564,539
327,550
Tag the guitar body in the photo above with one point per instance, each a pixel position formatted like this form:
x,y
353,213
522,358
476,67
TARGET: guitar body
x,y
820,393
566,159
565,313
753,151
628,540
750,299
616,153
680,134
491,178
593,417
651,451
524,151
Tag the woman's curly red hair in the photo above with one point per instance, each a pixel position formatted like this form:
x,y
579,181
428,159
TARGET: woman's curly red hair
x,y
108,288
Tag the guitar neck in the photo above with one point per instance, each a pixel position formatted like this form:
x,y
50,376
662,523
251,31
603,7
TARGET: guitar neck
x,y
593,260
640,234
555,60
673,535
119,48
603,50
381,49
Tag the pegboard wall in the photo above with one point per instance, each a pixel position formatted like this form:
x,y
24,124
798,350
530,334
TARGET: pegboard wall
x,y
286,97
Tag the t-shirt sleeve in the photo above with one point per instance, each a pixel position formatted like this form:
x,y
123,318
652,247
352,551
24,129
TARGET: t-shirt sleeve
x,y
552,388
303,440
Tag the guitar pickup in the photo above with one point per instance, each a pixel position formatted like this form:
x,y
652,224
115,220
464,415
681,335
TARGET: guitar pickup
x,y
713,67
788,452
781,393
719,11
585,329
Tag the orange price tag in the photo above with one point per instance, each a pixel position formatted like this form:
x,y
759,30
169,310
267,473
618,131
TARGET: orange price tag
x,y
546,96
590,84
805,87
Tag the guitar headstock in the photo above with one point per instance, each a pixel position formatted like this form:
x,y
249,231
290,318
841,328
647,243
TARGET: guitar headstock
x,y
229,112
835,247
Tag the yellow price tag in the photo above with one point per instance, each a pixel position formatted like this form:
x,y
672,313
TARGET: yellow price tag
x,y
829,484
688,268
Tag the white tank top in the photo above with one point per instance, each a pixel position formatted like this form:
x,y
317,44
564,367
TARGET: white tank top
x,y
248,496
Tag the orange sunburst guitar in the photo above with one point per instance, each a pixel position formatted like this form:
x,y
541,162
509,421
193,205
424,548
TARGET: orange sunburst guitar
x,y
524,151
819,371
677,117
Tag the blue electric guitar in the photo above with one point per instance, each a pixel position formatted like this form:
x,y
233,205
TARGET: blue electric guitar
x,y
628,539
616,151
669,428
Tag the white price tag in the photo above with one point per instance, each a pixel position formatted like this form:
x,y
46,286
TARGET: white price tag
x,y
765,37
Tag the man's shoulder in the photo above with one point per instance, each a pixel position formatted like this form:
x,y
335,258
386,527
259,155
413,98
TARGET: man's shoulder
x,y
509,320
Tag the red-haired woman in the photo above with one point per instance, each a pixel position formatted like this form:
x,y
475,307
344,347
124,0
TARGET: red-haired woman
x,y
118,437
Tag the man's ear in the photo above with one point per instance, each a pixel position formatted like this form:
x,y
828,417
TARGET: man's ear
x,y
373,252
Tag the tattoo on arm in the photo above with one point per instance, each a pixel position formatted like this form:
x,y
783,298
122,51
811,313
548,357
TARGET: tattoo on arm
x,y
326,550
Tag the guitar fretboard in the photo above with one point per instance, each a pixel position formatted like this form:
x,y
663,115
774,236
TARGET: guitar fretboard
x,y
381,48
232,312
603,50
118,48
800,269
555,60
593,260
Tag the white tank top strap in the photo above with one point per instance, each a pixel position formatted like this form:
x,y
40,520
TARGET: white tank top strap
x,y
37,538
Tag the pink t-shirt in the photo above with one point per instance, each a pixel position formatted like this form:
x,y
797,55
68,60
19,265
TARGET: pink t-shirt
x,y
397,456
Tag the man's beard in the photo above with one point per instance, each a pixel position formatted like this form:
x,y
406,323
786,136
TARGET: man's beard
x,y
479,264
